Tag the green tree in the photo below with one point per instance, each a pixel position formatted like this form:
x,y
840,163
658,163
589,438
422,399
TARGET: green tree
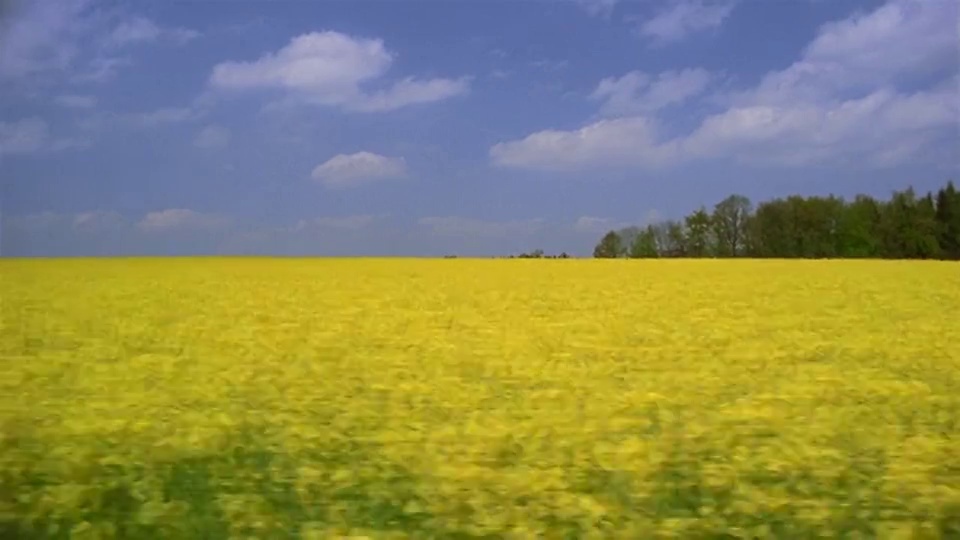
x,y
773,234
904,226
859,229
671,239
610,247
948,220
698,241
730,225
817,226
908,227
644,245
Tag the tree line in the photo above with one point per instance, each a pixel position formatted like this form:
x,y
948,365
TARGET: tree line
x,y
907,226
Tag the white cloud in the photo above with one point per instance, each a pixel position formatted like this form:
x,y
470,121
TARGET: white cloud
x,y
166,115
610,142
137,29
55,36
839,101
467,227
411,92
347,170
37,37
98,220
143,30
897,41
602,8
685,17
598,225
73,101
330,69
32,135
181,36
212,137
639,93
23,136
179,219
837,104
881,129
102,68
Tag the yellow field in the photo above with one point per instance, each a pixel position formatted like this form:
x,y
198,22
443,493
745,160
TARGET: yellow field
x,y
215,398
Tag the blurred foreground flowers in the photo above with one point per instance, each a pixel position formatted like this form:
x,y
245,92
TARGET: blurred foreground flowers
x,y
228,398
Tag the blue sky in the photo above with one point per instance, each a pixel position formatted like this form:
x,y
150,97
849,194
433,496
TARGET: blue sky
x,y
457,126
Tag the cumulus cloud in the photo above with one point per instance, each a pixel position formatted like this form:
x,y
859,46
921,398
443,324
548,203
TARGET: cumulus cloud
x,y
180,219
839,100
212,137
630,141
640,93
882,128
331,69
895,43
347,170
681,18
838,103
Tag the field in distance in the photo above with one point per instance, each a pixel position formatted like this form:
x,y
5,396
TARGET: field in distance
x,y
401,398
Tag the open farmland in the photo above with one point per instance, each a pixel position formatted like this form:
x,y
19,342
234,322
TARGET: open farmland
x,y
271,398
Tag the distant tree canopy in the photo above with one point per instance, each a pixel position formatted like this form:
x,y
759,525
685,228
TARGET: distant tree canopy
x,y
904,227
610,246
539,254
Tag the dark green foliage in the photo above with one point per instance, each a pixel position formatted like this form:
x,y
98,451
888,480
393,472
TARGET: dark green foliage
x,y
729,222
610,247
907,226
948,221
644,245
698,231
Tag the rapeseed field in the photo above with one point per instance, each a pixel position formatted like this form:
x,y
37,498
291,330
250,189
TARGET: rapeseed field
x,y
298,398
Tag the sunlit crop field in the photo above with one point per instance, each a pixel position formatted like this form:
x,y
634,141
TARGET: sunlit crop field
x,y
297,398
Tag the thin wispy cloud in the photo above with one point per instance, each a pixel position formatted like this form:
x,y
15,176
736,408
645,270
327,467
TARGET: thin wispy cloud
x,y
137,30
212,137
75,101
680,19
